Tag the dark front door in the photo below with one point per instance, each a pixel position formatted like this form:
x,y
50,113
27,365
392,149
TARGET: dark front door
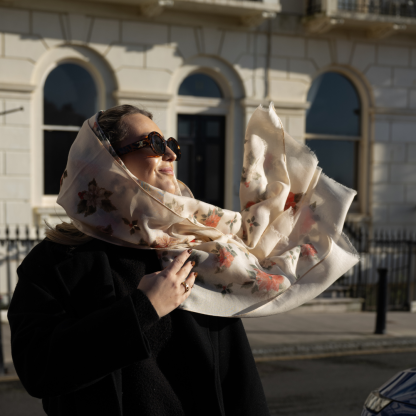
x,y
202,141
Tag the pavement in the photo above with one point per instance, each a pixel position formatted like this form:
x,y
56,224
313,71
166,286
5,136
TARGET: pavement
x,y
308,335
296,334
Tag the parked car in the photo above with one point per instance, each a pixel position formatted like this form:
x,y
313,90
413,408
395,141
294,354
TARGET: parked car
x,y
396,397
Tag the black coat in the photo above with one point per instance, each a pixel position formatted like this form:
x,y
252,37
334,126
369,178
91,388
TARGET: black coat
x,y
87,343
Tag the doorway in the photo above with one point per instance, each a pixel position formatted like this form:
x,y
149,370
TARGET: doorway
x,y
201,168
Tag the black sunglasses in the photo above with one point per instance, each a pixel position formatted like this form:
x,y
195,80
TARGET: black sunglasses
x,y
156,142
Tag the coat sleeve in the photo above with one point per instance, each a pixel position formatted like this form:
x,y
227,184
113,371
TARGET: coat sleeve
x,y
56,353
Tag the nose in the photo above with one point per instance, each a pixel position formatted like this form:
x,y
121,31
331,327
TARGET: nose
x,y
169,155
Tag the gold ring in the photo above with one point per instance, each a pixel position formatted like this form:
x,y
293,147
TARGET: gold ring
x,y
186,286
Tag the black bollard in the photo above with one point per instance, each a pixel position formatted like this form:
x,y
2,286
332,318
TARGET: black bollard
x,y
2,369
381,302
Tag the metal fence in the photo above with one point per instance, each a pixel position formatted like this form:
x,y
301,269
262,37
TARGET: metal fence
x,y
313,7
403,8
15,244
394,250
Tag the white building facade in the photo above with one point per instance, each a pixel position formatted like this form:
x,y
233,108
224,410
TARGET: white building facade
x,y
146,53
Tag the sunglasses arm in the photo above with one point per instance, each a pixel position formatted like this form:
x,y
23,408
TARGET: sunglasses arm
x,y
133,147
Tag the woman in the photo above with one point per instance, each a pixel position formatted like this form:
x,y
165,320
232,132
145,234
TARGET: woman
x,y
95,325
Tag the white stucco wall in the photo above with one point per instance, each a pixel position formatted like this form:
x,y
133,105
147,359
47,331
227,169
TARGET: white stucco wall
x,y
142,62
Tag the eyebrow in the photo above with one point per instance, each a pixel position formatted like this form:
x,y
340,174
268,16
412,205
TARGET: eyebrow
x,y
153,131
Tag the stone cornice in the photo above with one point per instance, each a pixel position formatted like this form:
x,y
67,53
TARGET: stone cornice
x,y
142,95
9,87
255,102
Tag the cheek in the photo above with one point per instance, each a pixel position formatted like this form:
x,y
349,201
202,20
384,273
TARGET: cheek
x,y
142,167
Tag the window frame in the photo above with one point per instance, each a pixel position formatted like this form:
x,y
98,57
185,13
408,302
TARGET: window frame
x,y
228,106
49,199
359,209
40,201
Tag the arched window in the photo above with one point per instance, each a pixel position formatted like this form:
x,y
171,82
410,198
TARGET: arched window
x,y
202,139
69,98
333,127
200,85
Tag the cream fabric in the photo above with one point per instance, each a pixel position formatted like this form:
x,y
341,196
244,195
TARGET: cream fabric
x,y
284,248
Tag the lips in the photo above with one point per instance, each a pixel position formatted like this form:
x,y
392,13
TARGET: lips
x,y
166,171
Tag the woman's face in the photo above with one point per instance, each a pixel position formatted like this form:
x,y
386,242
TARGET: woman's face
x,y
156,171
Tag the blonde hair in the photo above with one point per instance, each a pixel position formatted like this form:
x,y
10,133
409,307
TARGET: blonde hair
x,y
66,234
116,130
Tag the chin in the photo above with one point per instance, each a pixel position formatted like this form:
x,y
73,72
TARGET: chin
x,y
167,187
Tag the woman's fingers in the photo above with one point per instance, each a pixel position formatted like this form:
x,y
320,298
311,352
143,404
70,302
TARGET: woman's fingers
x,y
190,282
191,279
177,263
186,269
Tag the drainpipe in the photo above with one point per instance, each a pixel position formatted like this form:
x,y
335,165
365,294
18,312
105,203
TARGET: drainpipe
x,y
268,58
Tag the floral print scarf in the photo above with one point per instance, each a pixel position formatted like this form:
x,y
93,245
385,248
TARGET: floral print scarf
x,y
284,248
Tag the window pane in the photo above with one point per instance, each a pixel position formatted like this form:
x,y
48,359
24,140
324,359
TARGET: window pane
x,y
184,128
185,165
338,159
213,172
56,145
70,96
200,85
335,106
202,140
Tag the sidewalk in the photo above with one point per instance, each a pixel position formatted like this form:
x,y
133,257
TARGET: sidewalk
x,y
297,334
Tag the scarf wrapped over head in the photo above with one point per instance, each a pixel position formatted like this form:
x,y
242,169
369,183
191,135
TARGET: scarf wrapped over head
x,y
284,248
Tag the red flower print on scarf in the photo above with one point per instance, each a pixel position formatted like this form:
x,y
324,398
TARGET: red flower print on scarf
x,y
133,225
225,257
95,197
246,184
213,217
308,251
225,290
293,200
164,241
212,220
231,223
252,223
268,281
249,204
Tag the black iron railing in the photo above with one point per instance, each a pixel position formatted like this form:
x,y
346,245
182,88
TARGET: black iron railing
x,y
15,244
400,8
313,7
394,250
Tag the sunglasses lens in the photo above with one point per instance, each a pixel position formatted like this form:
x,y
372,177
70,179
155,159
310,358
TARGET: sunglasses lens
x,y
174,146
158,145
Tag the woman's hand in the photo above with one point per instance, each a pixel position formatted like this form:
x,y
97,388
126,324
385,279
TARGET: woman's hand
x,y
164,288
